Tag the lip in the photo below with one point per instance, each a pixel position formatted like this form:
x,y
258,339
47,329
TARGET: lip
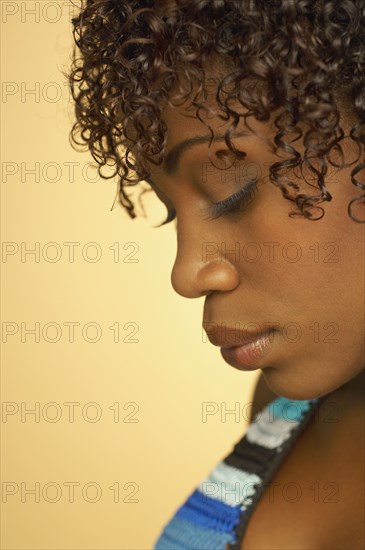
x,y
248,356
229,337
243,350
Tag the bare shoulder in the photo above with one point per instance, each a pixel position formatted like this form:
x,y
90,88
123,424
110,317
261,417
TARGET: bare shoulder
x,y
262,395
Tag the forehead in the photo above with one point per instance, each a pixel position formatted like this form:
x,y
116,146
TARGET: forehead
x,y
252,138
179,114
182,122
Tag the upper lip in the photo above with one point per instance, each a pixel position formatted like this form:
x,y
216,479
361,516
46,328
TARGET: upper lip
x,y
233,338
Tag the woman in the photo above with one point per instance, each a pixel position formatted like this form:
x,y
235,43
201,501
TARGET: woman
x,y
247,119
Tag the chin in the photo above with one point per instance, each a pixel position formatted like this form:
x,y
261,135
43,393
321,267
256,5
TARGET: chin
x,y
296,388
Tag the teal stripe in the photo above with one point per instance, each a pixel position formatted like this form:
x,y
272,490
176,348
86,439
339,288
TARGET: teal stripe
x,y
289,409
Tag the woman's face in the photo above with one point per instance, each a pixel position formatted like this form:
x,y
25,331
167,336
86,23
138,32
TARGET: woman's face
x,y
259,268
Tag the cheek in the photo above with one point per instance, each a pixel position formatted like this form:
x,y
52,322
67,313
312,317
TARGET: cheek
x,y
307,268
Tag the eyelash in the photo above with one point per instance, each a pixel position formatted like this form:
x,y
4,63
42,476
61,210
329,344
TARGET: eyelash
x,y
234,203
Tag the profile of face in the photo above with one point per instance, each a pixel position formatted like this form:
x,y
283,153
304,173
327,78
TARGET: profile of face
x,y
260,270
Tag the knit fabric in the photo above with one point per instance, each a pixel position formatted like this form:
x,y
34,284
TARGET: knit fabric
x,y
215,515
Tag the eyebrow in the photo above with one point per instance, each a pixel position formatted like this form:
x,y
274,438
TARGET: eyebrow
x,y
171,161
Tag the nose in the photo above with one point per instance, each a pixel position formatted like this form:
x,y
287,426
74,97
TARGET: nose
x,y
193,275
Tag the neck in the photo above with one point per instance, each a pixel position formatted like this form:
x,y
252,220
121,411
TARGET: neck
x,y
340,409
354,388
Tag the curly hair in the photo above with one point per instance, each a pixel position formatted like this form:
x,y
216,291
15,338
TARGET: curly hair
x,y
306,58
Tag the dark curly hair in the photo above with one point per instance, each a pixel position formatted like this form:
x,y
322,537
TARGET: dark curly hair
x,y
306,57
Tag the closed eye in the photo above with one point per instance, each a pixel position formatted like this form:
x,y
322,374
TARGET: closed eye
x,y
234,203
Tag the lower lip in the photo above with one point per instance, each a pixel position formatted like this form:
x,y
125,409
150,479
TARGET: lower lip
x,y
247,357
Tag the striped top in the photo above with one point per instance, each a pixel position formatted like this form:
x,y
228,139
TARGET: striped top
x,y
215,515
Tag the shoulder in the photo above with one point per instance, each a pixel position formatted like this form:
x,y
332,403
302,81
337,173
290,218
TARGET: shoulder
x,y
262,395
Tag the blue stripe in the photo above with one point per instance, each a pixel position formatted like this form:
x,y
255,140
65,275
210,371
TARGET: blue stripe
x,y
210,513
180,534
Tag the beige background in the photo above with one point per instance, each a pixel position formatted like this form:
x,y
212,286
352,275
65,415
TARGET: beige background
x,y
159,448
